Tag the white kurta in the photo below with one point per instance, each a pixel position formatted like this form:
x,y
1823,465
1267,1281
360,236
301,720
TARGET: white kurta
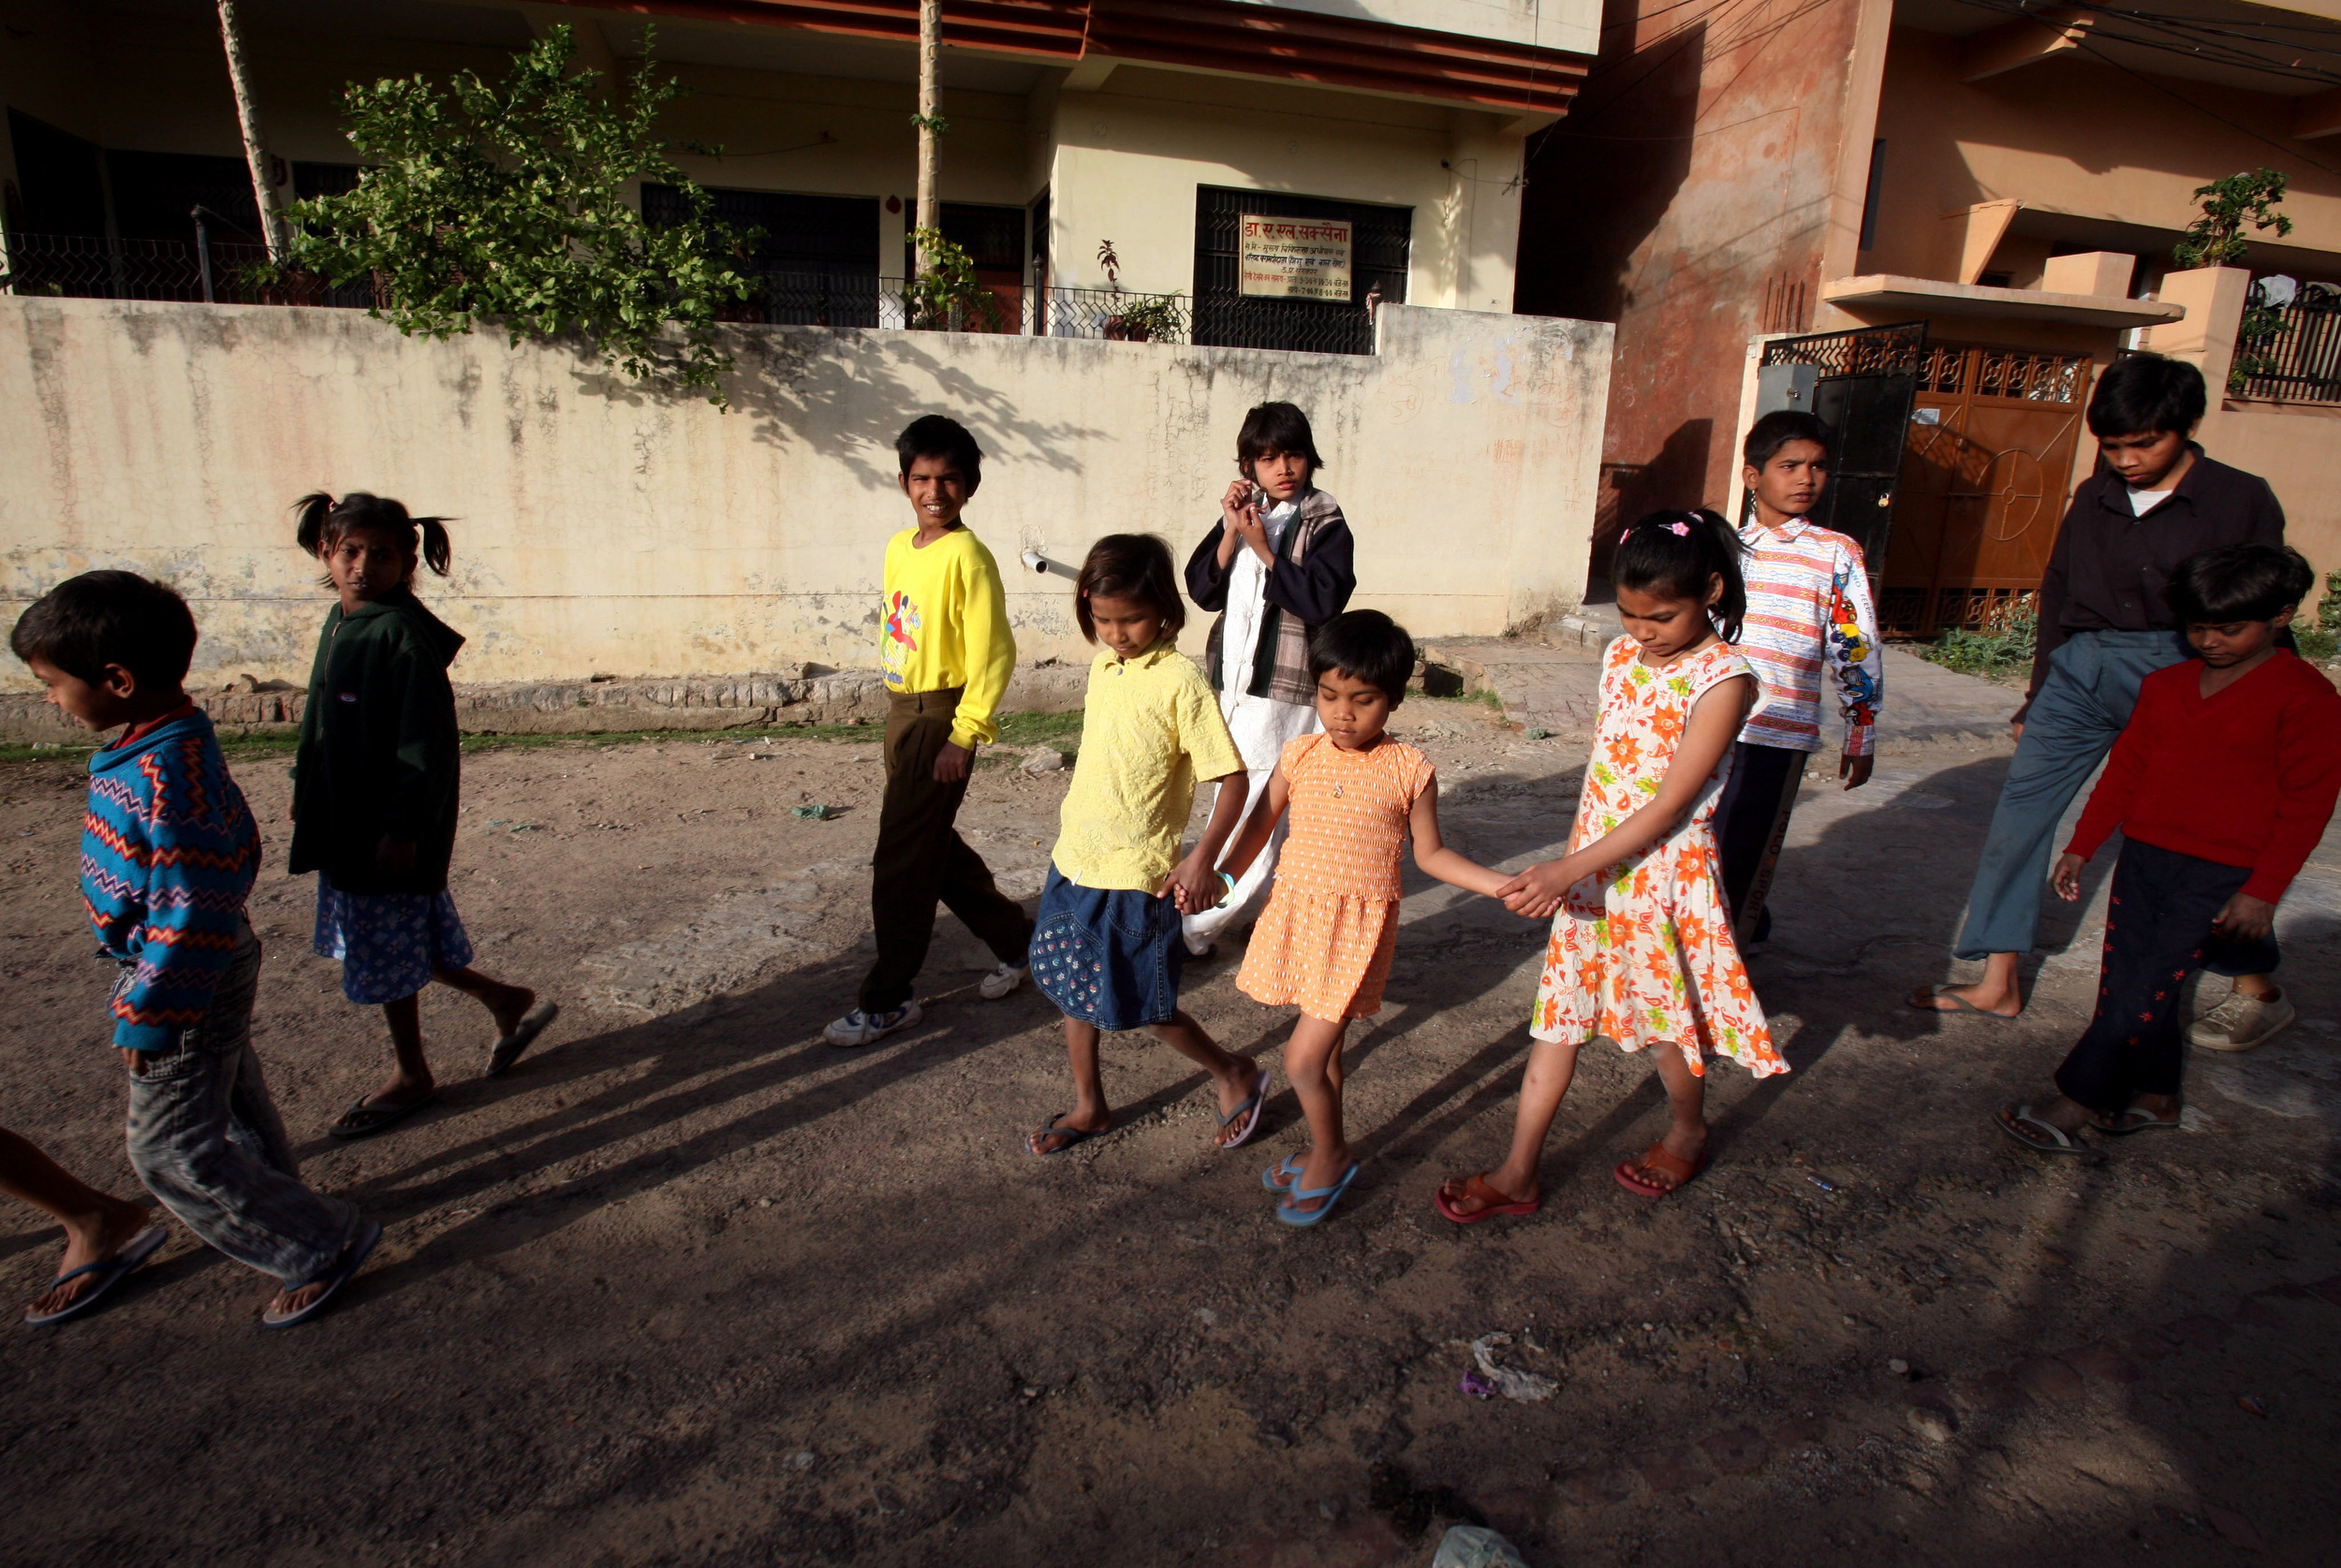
x,y
1259,724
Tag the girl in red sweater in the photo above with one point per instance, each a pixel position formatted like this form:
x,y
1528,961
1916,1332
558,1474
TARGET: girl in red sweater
x,y
2221,785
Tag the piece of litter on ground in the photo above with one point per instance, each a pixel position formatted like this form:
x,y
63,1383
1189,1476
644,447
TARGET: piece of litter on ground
x,y
1477,1387
2251,1405
1824,1186
1898,1367
813,813
1471,1546
803,1459
1508,1381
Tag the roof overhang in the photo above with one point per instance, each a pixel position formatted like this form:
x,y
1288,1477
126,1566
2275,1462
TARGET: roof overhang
x,y
1884,291
1273,42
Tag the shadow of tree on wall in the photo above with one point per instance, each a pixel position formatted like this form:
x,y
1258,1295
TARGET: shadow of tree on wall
x,y
847,393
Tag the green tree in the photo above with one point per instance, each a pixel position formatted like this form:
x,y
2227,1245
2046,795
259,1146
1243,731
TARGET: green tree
x,y
507,203
2217,238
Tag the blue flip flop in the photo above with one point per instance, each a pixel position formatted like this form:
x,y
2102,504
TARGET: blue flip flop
x,y
109,1271
1290,1170
1332,1195
1071,1135
352,1259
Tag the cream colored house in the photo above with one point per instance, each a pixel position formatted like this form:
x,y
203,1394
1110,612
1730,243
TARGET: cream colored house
x,y
1073,124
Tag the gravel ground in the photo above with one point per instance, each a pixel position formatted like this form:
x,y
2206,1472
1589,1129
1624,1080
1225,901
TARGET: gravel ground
x,y
690,1287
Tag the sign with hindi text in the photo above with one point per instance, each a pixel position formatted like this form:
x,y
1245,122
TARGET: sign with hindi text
x,y
1294,258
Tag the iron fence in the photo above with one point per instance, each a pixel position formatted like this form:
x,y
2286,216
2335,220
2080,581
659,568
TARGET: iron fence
x,y
862,300
2292,353
224,271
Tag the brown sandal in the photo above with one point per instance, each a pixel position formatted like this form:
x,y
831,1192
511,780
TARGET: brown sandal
x,y
1491,1201
1634,1175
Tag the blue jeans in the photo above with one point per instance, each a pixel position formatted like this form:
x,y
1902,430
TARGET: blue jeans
x,y
2083,706
206,1140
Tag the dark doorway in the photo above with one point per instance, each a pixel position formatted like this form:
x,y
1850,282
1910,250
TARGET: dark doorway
x,y
60,188
994,240
1381,241
1863,391
815,257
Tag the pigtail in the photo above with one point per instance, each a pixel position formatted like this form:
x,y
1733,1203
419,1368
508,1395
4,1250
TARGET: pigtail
x,y
436,552
1726,547
309,530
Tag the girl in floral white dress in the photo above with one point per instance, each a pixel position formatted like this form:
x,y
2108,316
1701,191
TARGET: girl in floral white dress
x,y
1641,951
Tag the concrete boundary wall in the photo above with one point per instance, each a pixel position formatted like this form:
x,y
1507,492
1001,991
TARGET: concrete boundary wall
x,y
608,530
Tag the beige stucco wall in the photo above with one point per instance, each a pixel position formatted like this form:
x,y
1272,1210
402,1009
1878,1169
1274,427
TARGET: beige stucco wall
x,y
604,530
2069,134
1126,161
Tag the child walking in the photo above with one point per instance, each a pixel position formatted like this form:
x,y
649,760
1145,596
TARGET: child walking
x,y
1276,565
1106,946
376,785
1808,610
1324,943
168,854
1642,950
2221,785
947,653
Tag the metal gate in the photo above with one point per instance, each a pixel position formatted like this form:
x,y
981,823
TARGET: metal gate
x,y
1984,478
1860,383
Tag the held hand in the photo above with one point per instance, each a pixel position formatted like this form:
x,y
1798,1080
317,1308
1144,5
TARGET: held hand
x,y
1254,532
952,762
2246,917
394,857
1194,885
2015,729
134,1060
2065,878
1855,771
1538,891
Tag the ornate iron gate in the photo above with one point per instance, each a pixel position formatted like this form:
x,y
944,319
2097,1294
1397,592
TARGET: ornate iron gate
x,y
1863,391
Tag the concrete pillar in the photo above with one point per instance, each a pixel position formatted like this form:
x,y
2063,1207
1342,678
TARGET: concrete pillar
x,y
2213,297
2106,272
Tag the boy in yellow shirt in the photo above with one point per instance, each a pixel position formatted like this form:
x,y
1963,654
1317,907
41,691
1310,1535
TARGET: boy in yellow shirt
x,y
947,650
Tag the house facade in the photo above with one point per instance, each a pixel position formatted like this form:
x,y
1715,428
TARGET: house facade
x,y
2011,177
1092,144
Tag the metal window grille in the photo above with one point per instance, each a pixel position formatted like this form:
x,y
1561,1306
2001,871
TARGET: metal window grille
x,y
2296,358
1381,239
89,267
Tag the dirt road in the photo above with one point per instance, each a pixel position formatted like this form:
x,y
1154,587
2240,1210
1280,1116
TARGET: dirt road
x,y
690,1287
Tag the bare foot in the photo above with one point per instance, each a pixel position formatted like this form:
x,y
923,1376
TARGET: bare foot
x,y
1980,998
1456,1191
1060,1133
90,1238
287,1302
1234,1094
1323,1169
510,1005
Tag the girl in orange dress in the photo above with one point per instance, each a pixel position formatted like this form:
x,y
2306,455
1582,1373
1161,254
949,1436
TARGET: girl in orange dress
x,y
1642,950
1324,942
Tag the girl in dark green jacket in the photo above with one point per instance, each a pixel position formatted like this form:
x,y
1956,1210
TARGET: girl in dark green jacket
x,y
375,793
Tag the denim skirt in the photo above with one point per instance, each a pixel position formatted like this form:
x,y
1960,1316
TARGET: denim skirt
x,y
1108,956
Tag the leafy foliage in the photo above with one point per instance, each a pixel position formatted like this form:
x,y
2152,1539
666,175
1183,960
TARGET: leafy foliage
x,y
1149,318
507,203
2000,652
2217,238
945,295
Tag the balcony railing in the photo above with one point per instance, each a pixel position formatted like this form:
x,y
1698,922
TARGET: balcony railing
x,y
229,273
224,271
2290,353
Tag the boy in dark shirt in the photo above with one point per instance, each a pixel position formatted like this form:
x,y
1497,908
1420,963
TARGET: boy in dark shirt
x,y
2104,626
2221,786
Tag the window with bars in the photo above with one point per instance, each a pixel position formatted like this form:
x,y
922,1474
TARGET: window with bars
x,y
815,257
1381,244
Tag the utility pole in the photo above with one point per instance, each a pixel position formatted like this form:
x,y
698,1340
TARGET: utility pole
x,y
264,189
930,213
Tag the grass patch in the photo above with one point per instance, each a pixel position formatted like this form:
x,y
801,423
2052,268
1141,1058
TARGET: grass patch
x,y
2001,652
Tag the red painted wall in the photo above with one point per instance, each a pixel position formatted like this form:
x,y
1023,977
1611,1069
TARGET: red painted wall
x,y
1686,199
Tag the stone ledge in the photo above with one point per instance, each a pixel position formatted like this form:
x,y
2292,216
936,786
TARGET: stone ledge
x,y
814,695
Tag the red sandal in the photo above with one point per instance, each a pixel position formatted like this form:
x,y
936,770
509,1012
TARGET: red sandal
x,y
1491,1202
1634,1175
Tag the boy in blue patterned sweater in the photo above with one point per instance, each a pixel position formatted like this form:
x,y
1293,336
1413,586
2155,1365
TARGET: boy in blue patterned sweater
x,y
169,853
